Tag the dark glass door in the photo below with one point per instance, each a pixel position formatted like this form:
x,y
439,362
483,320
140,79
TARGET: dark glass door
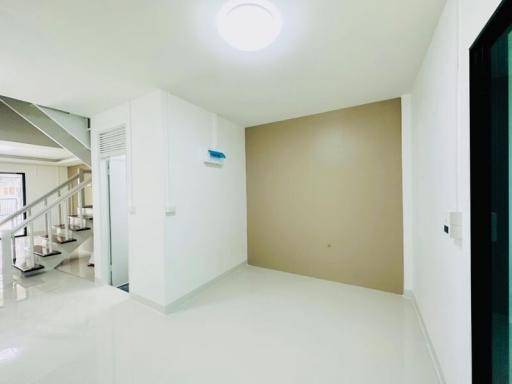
x,y
491,196
500,196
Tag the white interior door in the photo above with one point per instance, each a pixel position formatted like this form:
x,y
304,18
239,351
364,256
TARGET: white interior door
x,y
118,199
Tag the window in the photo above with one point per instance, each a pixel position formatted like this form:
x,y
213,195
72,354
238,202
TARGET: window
x,y
12,198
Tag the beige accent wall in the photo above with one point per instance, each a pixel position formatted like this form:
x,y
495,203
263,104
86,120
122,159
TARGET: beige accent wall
x,y
325,196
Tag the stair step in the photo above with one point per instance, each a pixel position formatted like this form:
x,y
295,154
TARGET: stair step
x,y
29,271
85,211
85,217
60,239
41,251
75,228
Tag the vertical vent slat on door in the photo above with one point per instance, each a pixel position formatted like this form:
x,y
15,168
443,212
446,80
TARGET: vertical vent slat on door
x,y
112,142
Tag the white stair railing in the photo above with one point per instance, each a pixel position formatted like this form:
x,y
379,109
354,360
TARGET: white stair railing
x,y
58,198
56,191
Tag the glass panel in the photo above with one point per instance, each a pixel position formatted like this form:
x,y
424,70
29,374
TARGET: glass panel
x,y
11,198
501,196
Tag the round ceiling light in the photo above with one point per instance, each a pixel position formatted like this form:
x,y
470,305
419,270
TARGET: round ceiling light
x,y
249,25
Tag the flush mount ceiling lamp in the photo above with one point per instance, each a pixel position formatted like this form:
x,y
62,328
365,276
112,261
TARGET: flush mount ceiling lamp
x,y
249,25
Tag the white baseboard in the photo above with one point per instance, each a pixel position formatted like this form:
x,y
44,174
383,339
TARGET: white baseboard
x,y
149,303
177,304
437,366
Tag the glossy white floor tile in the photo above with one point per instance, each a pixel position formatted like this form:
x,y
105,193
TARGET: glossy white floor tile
x,y
77,264
253,326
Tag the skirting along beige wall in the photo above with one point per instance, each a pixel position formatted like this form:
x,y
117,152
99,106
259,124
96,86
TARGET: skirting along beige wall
x,y
325,196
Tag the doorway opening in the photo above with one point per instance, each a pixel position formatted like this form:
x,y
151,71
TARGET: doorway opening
x,y
118,221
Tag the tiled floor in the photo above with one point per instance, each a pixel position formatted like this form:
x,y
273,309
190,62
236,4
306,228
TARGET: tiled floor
x,y
77,264
252,326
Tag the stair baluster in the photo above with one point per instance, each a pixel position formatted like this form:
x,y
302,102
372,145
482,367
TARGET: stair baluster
x,y
13,241
66,218
46,221
50,231
30,263
29,259
80,199
60,209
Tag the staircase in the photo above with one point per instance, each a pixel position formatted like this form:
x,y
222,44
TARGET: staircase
x,y
69,131
53,230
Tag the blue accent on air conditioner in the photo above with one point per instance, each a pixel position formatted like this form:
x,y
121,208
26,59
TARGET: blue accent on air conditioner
x,y
216,154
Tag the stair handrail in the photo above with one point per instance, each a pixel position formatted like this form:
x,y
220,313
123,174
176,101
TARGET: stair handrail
x,y
70,193
43,198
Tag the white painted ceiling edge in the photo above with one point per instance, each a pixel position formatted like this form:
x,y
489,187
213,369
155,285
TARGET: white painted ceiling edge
x,y
330,54
11,151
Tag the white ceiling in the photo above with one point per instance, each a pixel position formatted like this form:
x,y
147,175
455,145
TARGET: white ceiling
x,y
87,56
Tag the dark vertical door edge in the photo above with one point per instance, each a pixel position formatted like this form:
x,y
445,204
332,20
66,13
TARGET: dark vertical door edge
x,y
483,196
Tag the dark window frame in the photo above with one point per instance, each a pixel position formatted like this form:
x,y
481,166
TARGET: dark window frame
x,y
24,189
480,155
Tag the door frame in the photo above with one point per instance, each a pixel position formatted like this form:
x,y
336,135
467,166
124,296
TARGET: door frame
x,y
480,160
107,162
101,200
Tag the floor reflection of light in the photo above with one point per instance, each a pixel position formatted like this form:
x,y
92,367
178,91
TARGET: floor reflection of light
x,y
12,293
21,293
9,354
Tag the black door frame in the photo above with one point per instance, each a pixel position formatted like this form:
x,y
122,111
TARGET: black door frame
x,y
481,232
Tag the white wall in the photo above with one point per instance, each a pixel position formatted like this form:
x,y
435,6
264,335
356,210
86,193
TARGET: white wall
x,y
440,184
147,166
434,142
208,235
407,192
143,120
171,255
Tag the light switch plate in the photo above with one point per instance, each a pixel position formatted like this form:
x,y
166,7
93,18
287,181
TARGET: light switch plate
x,y
456,223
